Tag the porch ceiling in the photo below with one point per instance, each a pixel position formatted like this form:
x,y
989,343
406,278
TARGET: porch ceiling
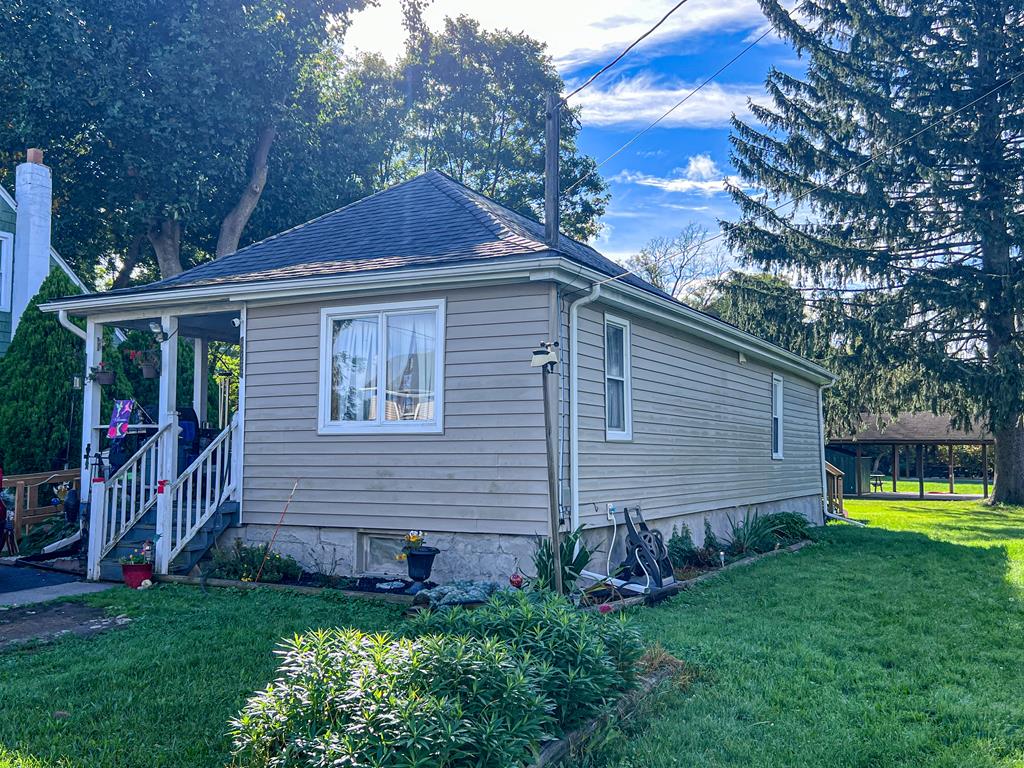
x,y
215,326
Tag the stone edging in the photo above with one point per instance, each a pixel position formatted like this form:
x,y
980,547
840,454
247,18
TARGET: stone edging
x,y
302,590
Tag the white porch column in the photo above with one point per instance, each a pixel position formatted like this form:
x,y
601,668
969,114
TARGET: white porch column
x,y
201,378
91,443
169,442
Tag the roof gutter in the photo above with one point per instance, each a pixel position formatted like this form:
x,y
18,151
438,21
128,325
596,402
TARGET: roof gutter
x,y
574,403
62,318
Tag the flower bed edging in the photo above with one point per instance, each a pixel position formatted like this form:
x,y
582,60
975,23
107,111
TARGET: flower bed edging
x,y
679,586
302,590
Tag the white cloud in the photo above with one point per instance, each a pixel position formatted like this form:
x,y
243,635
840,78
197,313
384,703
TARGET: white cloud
x,y
677,184
577,32
701,168
642,99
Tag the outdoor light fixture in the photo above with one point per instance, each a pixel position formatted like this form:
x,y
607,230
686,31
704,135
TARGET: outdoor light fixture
x,y
76,382
545,355
157,330
236,321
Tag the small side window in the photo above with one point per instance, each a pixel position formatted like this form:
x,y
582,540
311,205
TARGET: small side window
x,y
618,393
777,411
6,270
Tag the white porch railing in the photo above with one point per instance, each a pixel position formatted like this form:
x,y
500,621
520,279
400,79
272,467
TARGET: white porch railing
x,y
207,483
126,496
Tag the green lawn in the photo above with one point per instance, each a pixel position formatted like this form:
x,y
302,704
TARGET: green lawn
x,y
935,485
901,644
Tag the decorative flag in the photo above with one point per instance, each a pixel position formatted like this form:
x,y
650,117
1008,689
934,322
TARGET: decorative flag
x,y
119,418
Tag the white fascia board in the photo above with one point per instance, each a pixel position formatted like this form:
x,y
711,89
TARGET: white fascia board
x,y
649,305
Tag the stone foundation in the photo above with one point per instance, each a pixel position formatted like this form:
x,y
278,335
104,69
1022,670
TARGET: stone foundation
x,y
485,556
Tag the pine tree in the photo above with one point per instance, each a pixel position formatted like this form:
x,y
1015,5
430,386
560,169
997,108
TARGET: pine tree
x,y
916,229
40,411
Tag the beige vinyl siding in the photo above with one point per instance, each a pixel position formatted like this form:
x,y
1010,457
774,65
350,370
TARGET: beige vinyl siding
x,y
701,428
485,473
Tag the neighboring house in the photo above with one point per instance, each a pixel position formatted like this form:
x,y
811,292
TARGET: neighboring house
x,y
26,256
386,386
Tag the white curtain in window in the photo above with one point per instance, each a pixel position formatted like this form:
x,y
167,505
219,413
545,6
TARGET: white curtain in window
x,y
615,384
354,369
411,357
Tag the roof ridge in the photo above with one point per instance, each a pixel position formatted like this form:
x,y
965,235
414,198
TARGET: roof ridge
x,y
458,195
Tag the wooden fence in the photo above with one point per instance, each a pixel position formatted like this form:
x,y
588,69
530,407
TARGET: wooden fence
x,y
27,510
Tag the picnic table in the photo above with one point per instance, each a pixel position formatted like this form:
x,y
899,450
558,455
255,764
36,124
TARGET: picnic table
x,y
876,482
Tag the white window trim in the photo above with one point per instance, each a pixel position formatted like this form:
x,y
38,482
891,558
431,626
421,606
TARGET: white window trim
x,y
326,426
6,270
612,435
778,412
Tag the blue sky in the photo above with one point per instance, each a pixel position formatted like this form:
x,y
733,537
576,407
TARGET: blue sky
x,y
674,174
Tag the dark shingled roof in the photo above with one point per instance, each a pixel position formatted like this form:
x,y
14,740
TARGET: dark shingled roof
x,y
911,427
431,220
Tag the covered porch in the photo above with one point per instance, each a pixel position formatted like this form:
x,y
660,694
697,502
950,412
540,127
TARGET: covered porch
x,y
169,474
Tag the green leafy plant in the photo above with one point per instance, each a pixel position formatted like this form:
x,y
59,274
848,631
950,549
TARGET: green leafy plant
x,y
582,661
681,549
575,557
789,527
751,534
244,563
343,697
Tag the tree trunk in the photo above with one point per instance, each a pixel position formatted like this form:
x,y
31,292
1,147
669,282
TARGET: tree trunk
x,y
234,223
1009,461
131,260
165,237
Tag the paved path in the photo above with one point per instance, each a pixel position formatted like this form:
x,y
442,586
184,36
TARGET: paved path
x,y
25,586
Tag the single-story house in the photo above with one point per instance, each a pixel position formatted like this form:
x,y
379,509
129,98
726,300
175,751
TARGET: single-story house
x,y
26,256
386,386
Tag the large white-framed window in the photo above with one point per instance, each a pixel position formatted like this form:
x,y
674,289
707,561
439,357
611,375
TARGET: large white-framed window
x,y
618,391
777,411
382,368
6,270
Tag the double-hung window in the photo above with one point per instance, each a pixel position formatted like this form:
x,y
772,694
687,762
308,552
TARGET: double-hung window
x,y
382,368
6,270
777,410
617,390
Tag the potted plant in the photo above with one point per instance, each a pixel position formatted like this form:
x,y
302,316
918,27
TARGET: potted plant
x,y
419,558
101,374
148,360
137,567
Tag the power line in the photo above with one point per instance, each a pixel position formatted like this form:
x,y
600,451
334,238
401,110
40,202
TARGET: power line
x,y
847,172
627,49
676,106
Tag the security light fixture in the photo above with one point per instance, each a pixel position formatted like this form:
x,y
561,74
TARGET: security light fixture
x,y
545,355
157,330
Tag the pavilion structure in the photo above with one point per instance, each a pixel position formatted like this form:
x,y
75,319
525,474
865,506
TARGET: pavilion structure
x,y
912,431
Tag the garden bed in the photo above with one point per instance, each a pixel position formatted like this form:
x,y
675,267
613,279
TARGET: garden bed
x,y
304,589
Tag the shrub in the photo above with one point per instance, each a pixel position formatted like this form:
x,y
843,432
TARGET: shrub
x,y
681,550
582,661
754,533
346,698
243,563
789,527
575,557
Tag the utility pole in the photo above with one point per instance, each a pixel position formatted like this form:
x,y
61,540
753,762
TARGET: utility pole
x,y
551,142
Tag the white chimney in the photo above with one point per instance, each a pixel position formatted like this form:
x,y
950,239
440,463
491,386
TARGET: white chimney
x,y
33,191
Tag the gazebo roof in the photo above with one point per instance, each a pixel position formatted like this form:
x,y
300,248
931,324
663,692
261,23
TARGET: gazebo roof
x,y
911,428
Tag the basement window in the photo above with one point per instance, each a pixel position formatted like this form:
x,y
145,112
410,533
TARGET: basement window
x,y
618,393
382,368
777,411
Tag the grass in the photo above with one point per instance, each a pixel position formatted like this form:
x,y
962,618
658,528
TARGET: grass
x,y
160,691
967,486
901,644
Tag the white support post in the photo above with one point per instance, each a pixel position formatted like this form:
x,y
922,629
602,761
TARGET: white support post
x,y
201,378
169,442
238,470
90,443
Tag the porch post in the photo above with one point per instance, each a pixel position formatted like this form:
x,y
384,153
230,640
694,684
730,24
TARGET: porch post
x,y
920,470
201,378
169,441
92,392
952,480
984,469
859,485
895,467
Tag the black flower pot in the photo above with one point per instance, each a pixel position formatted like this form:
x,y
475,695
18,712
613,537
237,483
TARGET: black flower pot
x,y
420,561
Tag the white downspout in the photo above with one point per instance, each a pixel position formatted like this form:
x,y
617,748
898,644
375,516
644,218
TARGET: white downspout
x,y
574,404
62,318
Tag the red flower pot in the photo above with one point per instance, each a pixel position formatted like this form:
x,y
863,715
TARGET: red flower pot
x,y
135,574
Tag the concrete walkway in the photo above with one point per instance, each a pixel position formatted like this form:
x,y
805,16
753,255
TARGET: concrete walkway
x,y
27,586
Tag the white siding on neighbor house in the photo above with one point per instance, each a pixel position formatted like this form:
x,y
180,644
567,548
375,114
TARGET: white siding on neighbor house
x,y
701,428
485,473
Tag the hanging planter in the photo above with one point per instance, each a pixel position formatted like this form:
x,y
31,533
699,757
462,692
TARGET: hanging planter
x,y
101,375
148,361
150,371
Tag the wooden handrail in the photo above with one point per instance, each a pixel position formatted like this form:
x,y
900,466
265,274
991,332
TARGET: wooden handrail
x,y
834,482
